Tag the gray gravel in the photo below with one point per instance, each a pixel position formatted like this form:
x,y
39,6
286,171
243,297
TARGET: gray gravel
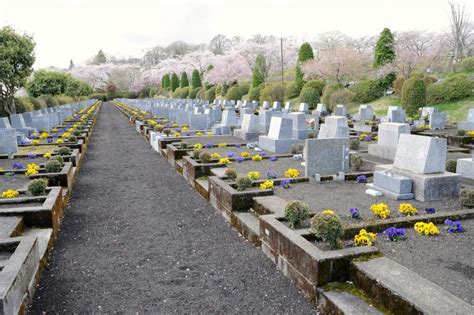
x,y
136,238
18,181
445,259
340,197
7,164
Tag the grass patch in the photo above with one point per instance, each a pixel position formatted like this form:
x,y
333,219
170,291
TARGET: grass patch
x,y
36,149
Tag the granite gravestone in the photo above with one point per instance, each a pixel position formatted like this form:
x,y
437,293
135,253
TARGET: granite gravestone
x,y
340,110
468,124
334,127
437,120
300,128
387,142
326,156
465,166
4,123
280,136
249,130
8,142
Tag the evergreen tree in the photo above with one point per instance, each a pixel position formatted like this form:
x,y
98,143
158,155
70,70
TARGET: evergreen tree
x,y
384,49
304,54
174,82
259,72
196,79
99,58
165,82
184,82
71,64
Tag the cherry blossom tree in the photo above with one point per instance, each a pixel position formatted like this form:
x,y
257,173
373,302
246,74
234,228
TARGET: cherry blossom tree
x,y
228,69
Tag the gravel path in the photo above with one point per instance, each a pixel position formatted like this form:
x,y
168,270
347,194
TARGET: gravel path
x,y
136,238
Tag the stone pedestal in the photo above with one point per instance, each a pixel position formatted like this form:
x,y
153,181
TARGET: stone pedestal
x,y
465,167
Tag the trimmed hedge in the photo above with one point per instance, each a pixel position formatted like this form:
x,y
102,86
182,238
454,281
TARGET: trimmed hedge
x,y
367,91
454,88
311,96
328,91
273,93
413,95
316,84
341,96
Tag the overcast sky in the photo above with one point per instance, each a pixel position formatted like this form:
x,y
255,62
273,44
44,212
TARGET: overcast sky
x,y
77,29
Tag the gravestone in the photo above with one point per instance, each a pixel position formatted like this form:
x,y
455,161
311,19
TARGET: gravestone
x,y
8,142
465,166
300,128
321,108
396,114
18,122
387,142
326,156
28,118
280,136
266,105
276,106
4,123
423,160
264,118
340,110
288,107
366,112
303,108
437,120
198,121
334,127
427,111
250,129
468,124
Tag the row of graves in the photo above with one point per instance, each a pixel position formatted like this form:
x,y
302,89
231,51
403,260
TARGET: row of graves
x,y
40,156
359,211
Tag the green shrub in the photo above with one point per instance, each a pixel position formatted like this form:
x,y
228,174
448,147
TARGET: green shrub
x,y
296,212
193,93
291,90
64,99
413,95
159,128
59,159
211,94
454,88
64,151
243,183
328,90
23,104
354,143
167,131
367,91
429,79
50,101
398,85
467,64
451,166
195,154
37,187
76,133
311,96
311,135
343,96
201,94
183,145
235,93
205,157
99,96
196,79
219,90
296,148
72,139
174,83
254,94
305,53
273,93
356,161
318,85
461,132
53,166
328,226
38,103
467,198
231,173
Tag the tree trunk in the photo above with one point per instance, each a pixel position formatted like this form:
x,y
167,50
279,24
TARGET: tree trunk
x,y
9,105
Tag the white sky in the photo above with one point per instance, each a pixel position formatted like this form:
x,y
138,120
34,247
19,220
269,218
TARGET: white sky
x,y
77,29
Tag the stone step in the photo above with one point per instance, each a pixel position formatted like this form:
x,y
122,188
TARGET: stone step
x,y
249,226
269,204
344,302
403,291
11,226
44,239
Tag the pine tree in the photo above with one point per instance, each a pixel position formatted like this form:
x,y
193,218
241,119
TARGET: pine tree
x,y
165,82
384,49
196,79
184,82
304,54
71,64
259,71
99,58
174,82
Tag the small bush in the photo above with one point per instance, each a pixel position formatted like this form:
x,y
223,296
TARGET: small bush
x,y
76,133
159,128
354,143
291,91
273,93
429,79
467,198
53,166
367,91
454,88
297,148
311,135
344,96
467,64
193,93
231,173
318,85
461,132
398,85
328,226
37,187
183,145
413,95
234,93
296,212
196,154
243,183
38,103
64,151
328,91
58,158
23,104
211,94
205,157
254,94
72,139
356,161
451,166
311,96
167,131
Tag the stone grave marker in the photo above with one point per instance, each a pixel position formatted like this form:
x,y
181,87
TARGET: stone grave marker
x,y
387,142
326,156
334,127
280,136
8,142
